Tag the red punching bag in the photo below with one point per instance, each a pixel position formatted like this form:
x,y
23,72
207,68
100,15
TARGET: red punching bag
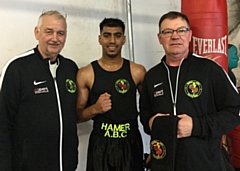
x,y
208,21
234,146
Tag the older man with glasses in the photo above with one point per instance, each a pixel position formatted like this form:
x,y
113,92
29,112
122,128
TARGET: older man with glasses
x,y
187,103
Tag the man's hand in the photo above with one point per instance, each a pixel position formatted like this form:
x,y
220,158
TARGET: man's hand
x,y
150,122
185,125
103,103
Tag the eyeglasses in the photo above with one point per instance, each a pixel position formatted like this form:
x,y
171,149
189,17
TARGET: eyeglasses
x,y
180,32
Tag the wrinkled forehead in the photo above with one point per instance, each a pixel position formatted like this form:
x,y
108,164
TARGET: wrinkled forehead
x,y
53,22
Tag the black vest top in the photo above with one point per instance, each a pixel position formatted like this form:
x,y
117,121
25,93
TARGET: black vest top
x,y
123,93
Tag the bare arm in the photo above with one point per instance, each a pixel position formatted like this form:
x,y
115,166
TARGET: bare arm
x,y
138,72
85,77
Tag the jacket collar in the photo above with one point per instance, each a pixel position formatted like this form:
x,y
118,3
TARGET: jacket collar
x,y
190,55
46,61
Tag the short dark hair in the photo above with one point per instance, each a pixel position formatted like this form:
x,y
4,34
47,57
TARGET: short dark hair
x,y
112,22
173,15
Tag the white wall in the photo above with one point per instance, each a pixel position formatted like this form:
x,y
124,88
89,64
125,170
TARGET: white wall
x,y
19,17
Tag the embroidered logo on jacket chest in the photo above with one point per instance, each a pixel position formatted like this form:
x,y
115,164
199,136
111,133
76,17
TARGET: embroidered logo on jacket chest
x,y
193,88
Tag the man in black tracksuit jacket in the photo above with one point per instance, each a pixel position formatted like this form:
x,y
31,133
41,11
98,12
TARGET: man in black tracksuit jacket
x,y
212,117
196,90
38,109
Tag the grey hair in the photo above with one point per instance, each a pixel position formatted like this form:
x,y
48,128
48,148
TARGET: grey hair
x,y
55,13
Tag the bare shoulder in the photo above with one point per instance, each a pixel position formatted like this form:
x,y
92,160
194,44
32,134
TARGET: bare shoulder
x,y
85,75
138,72
85,71
137,68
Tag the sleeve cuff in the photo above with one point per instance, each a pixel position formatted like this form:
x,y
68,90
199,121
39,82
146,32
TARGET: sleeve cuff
x,y
196,131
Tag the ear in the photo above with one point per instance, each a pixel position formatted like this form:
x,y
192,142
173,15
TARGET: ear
x,y
36,32
99,39
159,38
124,39
190,35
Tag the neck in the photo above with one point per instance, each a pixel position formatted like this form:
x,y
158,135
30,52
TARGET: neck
x,y
112,64
175,59
173,63
44,56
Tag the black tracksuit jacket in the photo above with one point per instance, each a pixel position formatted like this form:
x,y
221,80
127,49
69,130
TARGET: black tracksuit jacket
x,y
38,115
204,92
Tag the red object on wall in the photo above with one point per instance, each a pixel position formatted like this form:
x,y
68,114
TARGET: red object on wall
x,y
208,21
234,146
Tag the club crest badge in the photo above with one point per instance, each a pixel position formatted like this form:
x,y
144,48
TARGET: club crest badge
x,y
71,86
122,86
158,149
193,88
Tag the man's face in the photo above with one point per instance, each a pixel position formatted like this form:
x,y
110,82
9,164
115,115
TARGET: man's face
x,y
175,44
112,39
51,36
